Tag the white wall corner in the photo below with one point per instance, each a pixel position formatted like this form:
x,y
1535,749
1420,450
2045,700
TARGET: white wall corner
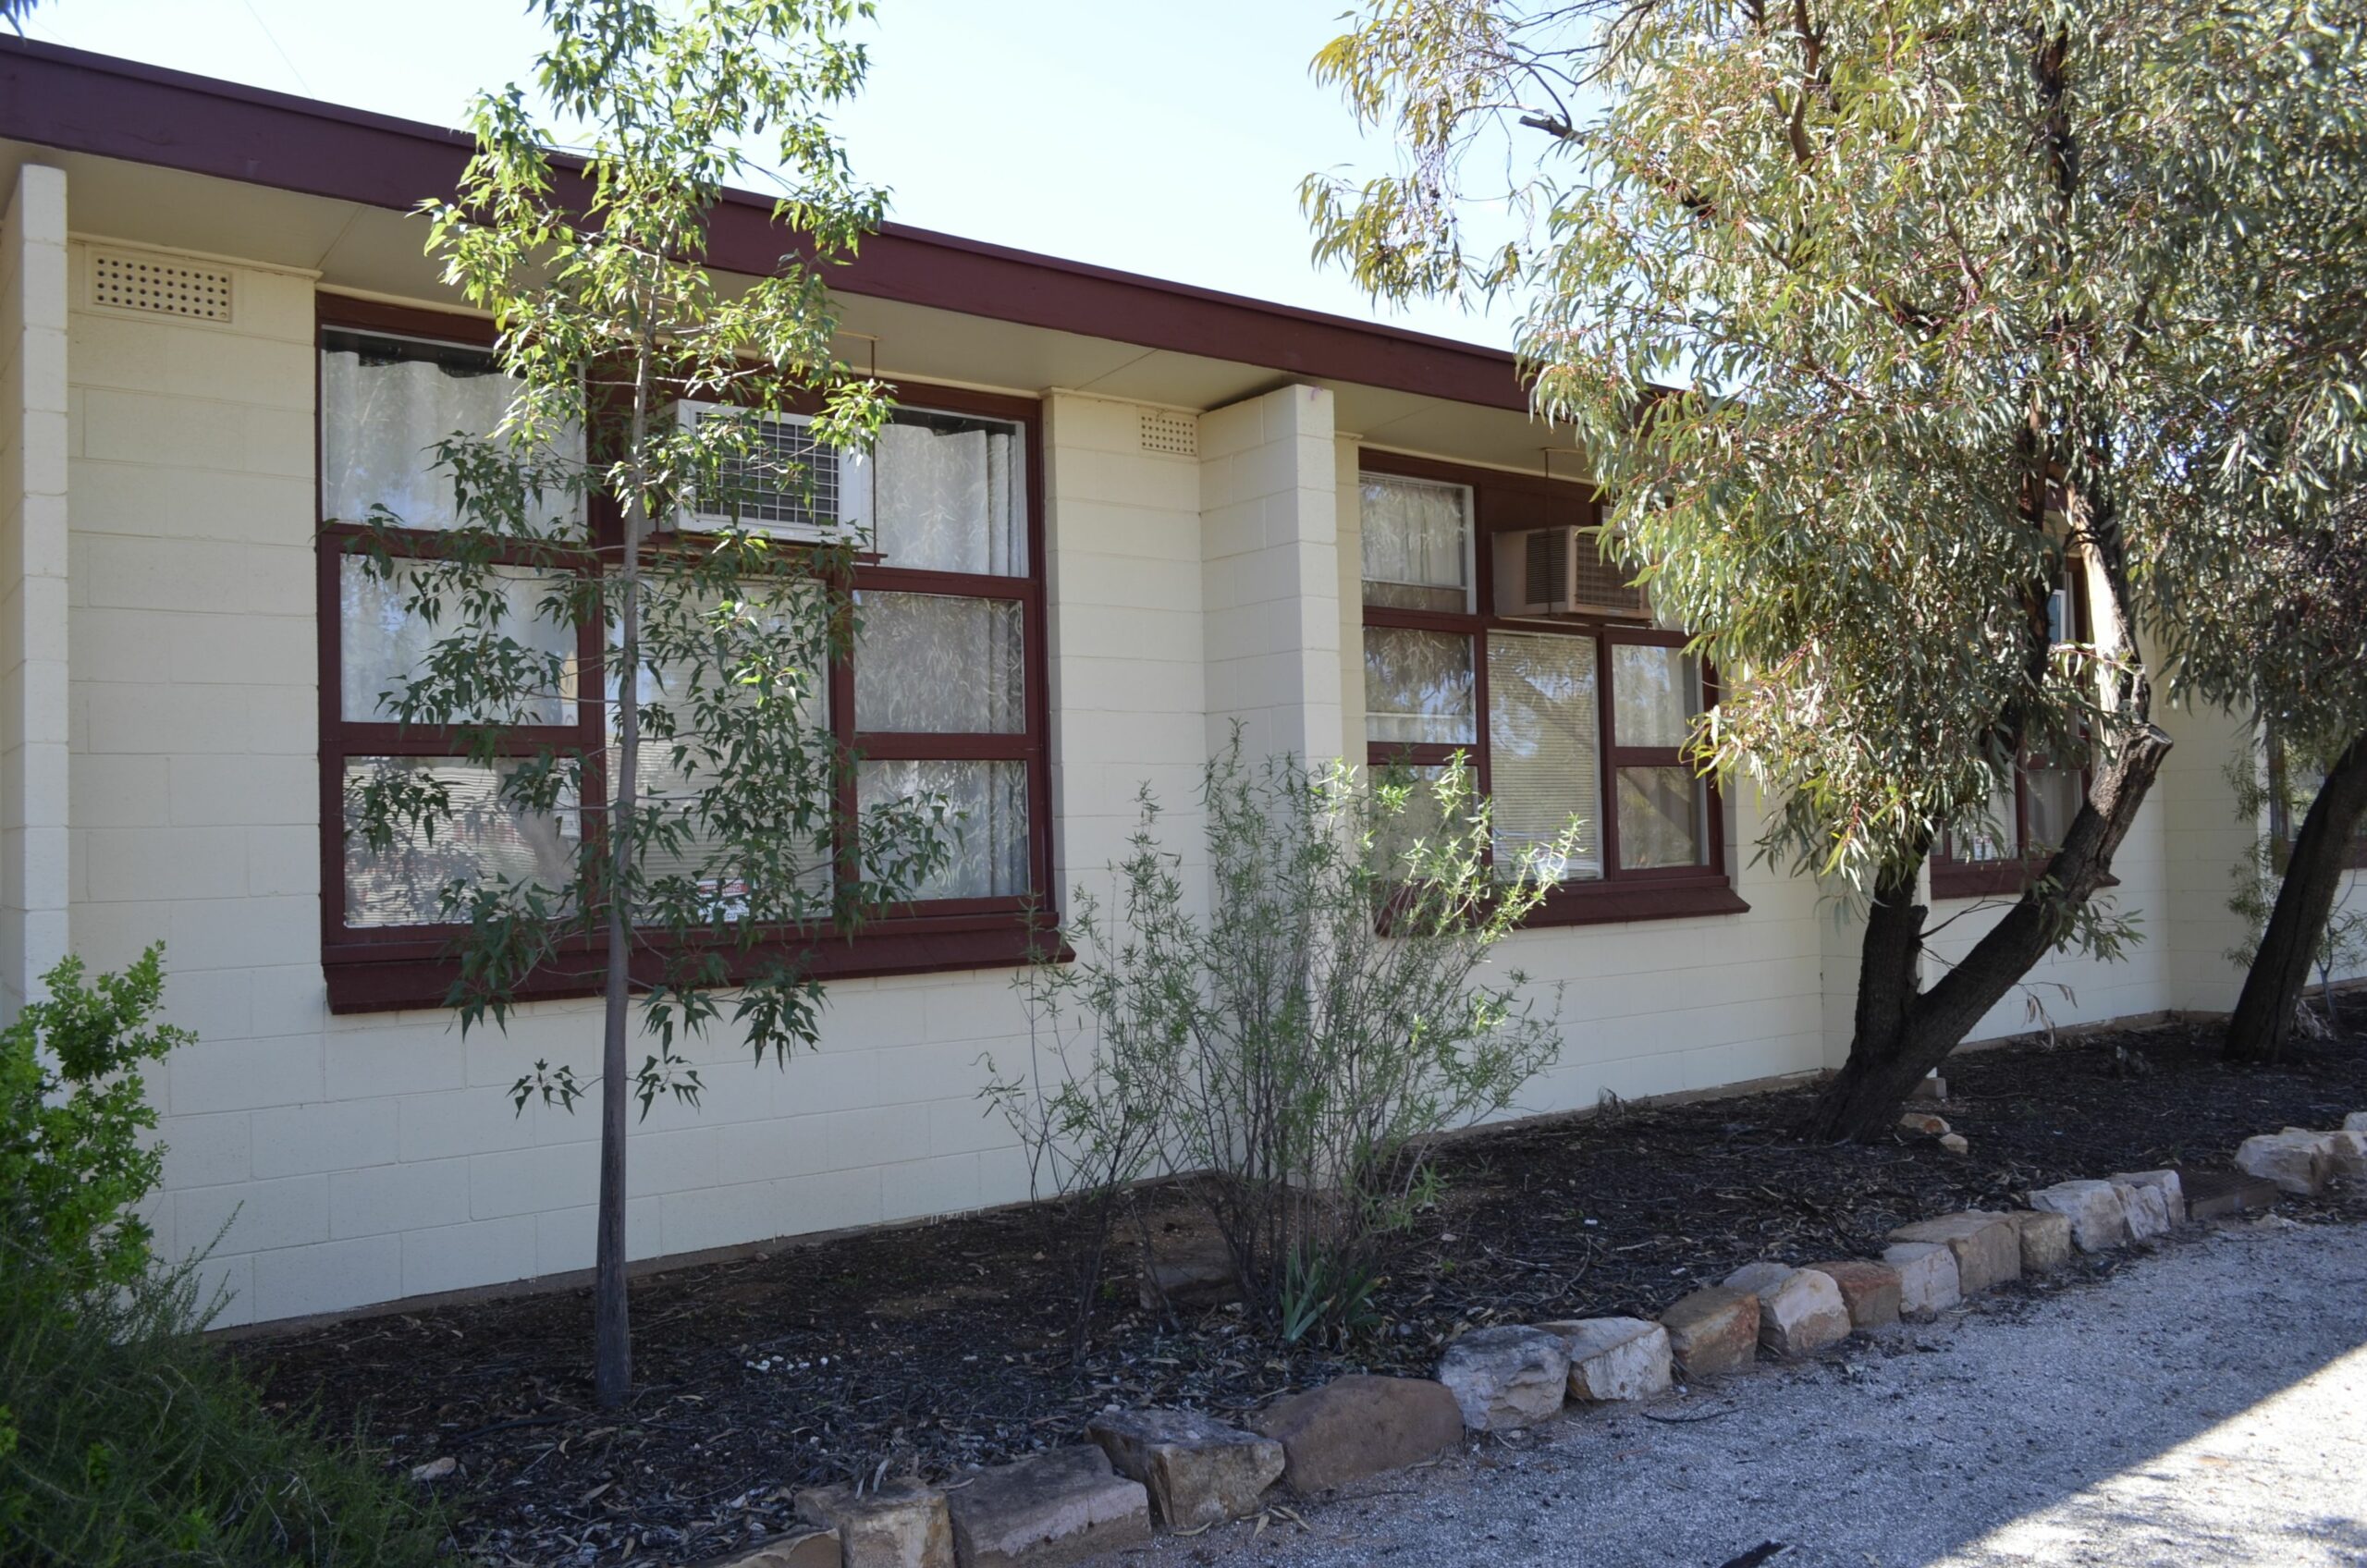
x,y
33,448
1270,573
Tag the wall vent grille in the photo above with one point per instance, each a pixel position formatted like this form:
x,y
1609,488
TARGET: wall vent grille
x,y
1176,435
160,286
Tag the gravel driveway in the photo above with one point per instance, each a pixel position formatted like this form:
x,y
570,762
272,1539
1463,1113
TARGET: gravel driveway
x,y
2204,1405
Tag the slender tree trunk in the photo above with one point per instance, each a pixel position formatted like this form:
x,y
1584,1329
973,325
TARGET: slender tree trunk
x,y
1903,1031
611,1324
2261,1029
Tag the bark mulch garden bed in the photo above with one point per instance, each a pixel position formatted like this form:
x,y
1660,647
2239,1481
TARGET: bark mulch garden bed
x,y
939,1346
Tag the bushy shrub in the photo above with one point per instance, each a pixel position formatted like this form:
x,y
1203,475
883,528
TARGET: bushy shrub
x,y
73,1109
125,1439
1292,1054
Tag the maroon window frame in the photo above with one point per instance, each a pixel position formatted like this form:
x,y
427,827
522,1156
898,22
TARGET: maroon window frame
x,y
1956,879
386,968
2285,824
1501,503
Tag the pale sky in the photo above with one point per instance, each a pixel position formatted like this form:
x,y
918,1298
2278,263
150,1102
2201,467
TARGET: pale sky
x,y
1161,137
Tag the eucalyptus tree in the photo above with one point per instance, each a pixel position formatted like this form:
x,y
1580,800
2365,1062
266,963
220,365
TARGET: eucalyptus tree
x,y
2261,587
1867,316
690,848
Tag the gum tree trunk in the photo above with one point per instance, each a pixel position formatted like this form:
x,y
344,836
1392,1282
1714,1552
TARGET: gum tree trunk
x,y
1902,1030
2261,1027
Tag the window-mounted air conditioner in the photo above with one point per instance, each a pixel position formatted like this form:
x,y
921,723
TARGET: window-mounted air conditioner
x,y
788,486
1562,572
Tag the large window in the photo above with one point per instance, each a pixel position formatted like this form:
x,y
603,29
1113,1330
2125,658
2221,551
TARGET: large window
x,y
1492,630
942,693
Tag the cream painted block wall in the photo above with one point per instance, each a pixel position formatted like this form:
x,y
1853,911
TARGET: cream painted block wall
x,y
347,1160
1269,569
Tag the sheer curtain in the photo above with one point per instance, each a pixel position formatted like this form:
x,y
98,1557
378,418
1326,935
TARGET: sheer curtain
x,y
1415,544
947,499
380,424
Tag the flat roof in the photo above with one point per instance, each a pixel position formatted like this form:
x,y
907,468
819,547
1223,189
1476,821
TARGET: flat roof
x,y
80,102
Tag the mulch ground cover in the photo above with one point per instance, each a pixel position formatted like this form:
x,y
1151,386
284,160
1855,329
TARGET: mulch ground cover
x,y
935,1347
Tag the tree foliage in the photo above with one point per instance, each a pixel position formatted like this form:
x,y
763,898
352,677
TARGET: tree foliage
x,y
713,852
1876,322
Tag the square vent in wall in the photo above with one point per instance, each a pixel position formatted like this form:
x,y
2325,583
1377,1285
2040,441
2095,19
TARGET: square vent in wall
x,y
162,285
1177,435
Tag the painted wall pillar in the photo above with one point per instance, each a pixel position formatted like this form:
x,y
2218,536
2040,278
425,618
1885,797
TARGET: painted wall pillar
x,y
33,445
1269,574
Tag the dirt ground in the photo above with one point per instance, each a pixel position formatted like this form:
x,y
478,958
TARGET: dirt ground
x,y
929,1348
2198,1408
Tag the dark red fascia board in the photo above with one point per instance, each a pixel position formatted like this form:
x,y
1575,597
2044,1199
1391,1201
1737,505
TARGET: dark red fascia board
x,y
86,103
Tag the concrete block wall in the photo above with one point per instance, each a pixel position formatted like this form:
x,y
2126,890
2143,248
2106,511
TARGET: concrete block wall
x,y
1270,574
33,444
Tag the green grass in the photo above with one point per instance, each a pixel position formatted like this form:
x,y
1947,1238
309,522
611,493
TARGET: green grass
x,y
125,1439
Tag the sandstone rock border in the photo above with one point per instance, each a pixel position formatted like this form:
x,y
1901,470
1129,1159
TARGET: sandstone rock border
x,y
1195,1471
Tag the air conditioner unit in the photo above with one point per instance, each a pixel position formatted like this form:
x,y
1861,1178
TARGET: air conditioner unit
x,y
1562,572
766,488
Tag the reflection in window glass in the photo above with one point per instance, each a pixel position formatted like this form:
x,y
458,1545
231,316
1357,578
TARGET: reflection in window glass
x,y
943,493
1417,687
383,646
1996,836
1545,755
485,840
927,662
1660,818
988,800
2054,795
1417,543
1654,694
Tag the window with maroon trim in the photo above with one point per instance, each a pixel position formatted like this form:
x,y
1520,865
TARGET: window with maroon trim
x,y
2025,819
943,692
2293,785
1564,712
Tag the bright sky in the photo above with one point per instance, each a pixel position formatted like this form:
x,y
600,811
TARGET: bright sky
x,y
1159,138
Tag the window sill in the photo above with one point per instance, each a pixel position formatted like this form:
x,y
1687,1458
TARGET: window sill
x,y
366,979
1605,904
1991,879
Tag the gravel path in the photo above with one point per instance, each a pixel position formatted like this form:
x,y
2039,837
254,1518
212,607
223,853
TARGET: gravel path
x,y
2204,1405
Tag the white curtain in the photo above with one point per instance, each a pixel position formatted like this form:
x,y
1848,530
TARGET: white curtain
x,y
1415,544
946,500
380,423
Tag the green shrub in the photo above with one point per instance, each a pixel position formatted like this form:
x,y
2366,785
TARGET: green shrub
x,y
125,1442
125,1439
1292,1054
72,1111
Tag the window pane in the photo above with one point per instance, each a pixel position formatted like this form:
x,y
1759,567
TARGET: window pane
x,y
1417,687
1996,837
988,856
1654,694
483,839
1417,543
384,404
1660,818
942,492
382,644
2055,795
1544,747
678,788
928,662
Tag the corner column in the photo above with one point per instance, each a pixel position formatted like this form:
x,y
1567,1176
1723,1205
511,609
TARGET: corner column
x,y
34,448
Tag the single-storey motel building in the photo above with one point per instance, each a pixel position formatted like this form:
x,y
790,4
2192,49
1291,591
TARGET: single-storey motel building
x,y
1127,515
